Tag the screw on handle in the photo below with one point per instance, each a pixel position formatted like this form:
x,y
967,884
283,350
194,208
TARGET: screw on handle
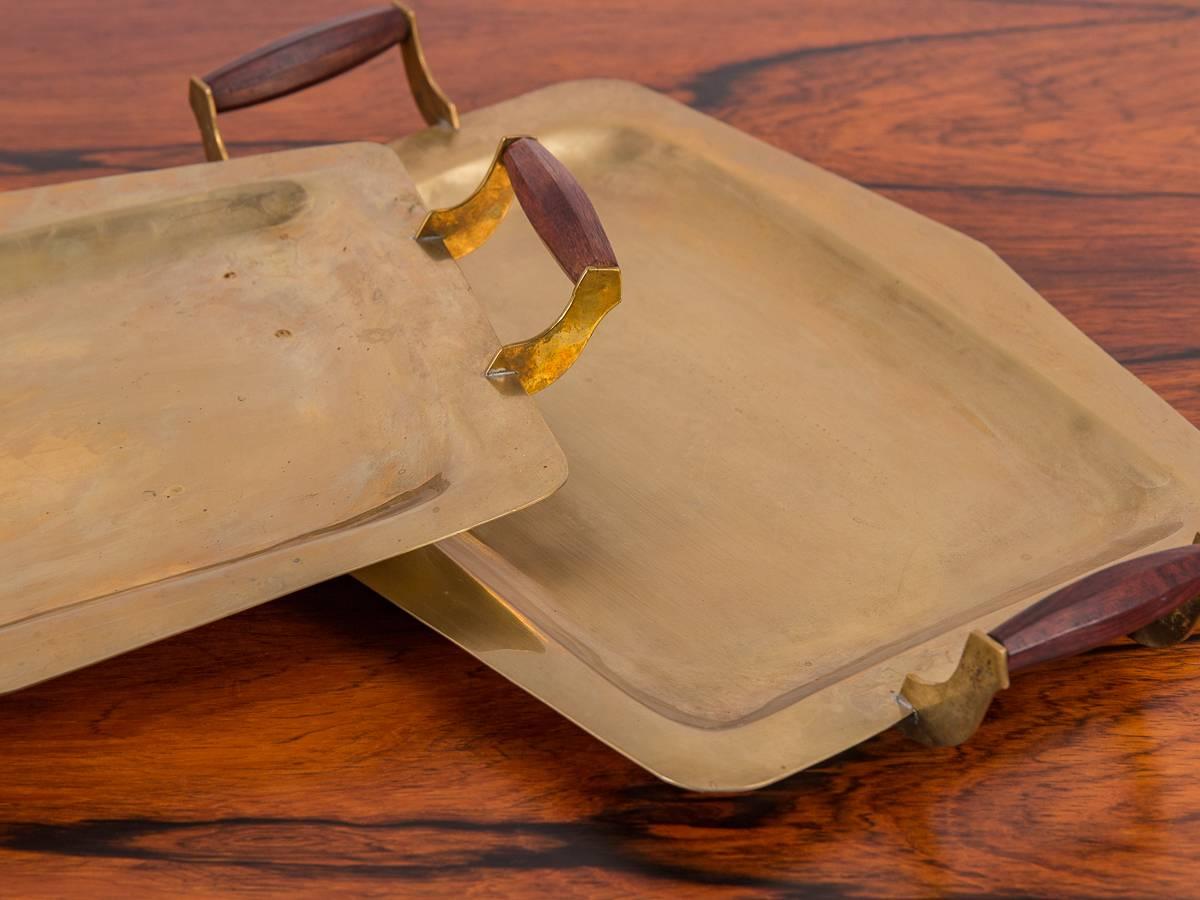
x,y
309,57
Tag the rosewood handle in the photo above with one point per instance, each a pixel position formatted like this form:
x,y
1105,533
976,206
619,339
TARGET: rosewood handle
x,y
1101,607
557,208
309,57
306,58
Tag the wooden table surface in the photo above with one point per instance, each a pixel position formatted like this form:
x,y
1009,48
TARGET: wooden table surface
x,y
328,744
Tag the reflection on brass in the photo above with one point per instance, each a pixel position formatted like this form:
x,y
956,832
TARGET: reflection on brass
x,y
466,226
436,108
538,362
440,594
205,110
1173,628
944,714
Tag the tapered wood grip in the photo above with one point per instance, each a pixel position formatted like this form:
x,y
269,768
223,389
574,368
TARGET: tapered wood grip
x,y
306,58
1103,606
558,209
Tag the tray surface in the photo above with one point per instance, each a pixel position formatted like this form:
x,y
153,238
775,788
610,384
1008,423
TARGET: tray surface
x,y
221,383
825,438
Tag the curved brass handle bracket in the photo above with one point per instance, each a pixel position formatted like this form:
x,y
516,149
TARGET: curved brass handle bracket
x,y
1173,628
944,714
465,227
435,107
538,362
204,108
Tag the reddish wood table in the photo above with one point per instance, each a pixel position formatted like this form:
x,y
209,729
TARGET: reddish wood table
x,y
328,744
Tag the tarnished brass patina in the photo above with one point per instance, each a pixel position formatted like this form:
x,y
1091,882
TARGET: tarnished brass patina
x,y
536,363
946,713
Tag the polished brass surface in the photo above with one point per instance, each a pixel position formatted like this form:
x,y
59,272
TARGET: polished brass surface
x,y
827,439
946,713
436,108
1173,628
535,363
219,384
200,98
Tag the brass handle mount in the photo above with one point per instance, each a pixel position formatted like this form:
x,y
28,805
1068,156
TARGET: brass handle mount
x,y
1155,599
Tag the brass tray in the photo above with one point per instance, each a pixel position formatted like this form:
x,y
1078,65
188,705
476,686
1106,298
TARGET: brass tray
x,y
825,440
219,384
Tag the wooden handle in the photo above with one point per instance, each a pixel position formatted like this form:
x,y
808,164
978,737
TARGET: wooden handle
x,y
306,58
1101,607
559,210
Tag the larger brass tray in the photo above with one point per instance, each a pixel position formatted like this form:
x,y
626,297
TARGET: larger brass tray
x,y
826,439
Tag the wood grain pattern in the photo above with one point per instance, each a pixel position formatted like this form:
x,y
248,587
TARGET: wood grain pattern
x,y
558,209
306,58
326,745
1105,605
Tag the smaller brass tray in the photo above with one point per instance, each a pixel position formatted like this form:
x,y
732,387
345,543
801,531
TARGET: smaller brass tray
x,y
827,441
222,383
